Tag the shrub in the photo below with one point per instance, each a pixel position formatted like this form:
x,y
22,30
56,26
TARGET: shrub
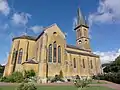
x,y
57,78
26,86
28,74
81,83
14,77
2,79
113,77
77,77
17,77
69,80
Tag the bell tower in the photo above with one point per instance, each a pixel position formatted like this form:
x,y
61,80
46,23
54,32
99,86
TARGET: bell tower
x,y
81,28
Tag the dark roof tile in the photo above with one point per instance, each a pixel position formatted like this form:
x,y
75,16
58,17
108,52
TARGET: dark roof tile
x,y
25,37
78,48
30,61
79,53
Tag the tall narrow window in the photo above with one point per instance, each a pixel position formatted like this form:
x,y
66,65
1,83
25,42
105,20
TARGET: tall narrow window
x,y
77,34
27,51
59,54
54,52
50,53
13,57
74,61
85,32
20,56
91,64
83,63
80,33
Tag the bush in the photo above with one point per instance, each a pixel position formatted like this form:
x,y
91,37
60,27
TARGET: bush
x,y
81,83
57,78
17,77
113,77
26,86
14,77
69,80
28,74
77,77
2,79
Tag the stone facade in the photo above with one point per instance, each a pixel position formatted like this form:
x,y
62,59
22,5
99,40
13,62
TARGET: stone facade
x,y
71,60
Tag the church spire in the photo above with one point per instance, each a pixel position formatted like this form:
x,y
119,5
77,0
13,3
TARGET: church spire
x,y
82,37
80,18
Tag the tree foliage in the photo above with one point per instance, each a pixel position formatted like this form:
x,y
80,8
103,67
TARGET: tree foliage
x,y
26,86
14,77
1,70
113,66
18,77
112,77
30,73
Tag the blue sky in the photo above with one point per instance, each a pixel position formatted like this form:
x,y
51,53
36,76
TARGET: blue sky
x,y
101,15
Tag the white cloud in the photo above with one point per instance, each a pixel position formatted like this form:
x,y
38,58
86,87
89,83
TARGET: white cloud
x,y
22,33
4,7
108,56
107,11
20,18
36,29
5,59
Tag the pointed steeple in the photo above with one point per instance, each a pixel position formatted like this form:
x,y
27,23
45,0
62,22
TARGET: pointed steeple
x,y
80,18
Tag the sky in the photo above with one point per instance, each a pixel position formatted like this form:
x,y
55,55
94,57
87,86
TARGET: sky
x,y
102,16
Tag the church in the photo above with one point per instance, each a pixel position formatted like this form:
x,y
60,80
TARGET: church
x,y
48,54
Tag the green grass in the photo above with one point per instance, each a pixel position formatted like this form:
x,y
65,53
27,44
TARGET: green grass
x,y
59,88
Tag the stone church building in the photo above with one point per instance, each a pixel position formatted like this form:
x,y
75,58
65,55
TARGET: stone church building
x,y
48,54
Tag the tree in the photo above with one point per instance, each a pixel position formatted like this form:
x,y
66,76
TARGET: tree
x,y
117,60
112,66
1,70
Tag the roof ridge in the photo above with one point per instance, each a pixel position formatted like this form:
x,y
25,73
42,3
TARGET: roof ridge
x,y
50,26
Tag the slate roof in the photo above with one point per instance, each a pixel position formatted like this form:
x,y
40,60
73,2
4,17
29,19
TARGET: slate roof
x,y
80,17
78,48
24,37
80,20
80,53
30,61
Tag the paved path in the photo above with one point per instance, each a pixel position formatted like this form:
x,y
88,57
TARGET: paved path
x,y
108,84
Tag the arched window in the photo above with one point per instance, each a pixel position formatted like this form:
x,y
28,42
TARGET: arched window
x,y
50,53
91,64
83,63
13,57
74,61
20,56
59,54
54,52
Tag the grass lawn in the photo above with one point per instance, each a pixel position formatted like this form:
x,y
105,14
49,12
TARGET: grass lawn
x,y
58,88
